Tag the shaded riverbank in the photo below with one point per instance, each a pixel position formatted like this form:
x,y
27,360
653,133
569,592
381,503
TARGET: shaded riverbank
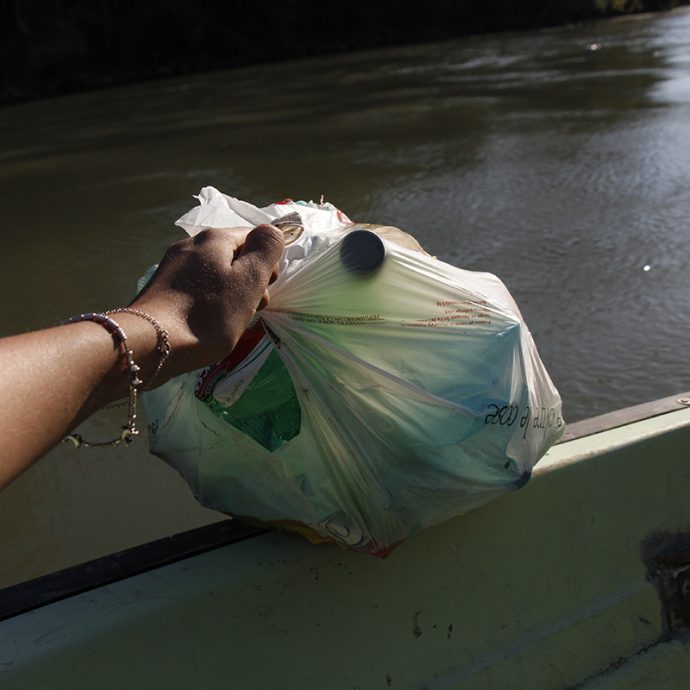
x,y
58,47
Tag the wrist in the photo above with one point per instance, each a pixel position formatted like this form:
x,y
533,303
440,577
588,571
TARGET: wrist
x,y
149,342
191,348
163,348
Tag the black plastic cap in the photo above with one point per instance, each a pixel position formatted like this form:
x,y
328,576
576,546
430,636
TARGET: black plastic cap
x,y
362,252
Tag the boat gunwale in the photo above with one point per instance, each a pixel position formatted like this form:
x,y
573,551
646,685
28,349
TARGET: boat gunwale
x,y
47,589
624,416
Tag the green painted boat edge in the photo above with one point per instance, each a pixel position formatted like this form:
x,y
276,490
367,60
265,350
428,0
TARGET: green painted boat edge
x,y
53,587
558,585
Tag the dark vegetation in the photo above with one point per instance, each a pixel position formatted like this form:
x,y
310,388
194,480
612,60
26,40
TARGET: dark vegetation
x,y
50,47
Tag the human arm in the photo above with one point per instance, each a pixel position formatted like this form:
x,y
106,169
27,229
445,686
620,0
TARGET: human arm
x,y
205,292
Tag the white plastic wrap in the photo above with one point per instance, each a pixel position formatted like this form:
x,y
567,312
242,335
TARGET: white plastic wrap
x,y
415,392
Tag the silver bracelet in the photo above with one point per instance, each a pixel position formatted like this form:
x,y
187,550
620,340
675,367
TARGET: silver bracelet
x,y
129,431
162,347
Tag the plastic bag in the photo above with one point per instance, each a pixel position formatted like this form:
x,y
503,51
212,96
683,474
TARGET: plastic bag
x,y
366,403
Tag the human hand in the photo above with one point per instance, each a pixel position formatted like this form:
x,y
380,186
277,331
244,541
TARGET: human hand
x,y
207,289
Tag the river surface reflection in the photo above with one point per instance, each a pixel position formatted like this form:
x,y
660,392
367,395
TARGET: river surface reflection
x,y
557,159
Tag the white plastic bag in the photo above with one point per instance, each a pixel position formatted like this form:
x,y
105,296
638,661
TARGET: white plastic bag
x,y
363,406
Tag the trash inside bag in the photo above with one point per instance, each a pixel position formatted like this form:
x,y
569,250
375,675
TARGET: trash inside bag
x,y
381,391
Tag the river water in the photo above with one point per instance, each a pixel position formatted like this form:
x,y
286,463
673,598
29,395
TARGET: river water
x,y
557,159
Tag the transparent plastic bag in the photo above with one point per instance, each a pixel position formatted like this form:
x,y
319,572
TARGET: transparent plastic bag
x,y
381,392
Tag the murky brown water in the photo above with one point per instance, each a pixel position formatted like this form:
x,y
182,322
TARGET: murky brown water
x,y
559,160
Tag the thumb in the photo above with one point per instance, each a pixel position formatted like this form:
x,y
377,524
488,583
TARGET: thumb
x,y
260,254
267,240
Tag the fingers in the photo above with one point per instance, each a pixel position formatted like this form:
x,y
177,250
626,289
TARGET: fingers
x,y
236,234
274,276
263,302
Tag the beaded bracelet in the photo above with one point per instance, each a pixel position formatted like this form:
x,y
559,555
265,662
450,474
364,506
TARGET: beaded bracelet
x,y
162,347
129,431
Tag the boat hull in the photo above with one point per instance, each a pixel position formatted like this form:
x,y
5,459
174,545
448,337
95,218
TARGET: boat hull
x,y
567,583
